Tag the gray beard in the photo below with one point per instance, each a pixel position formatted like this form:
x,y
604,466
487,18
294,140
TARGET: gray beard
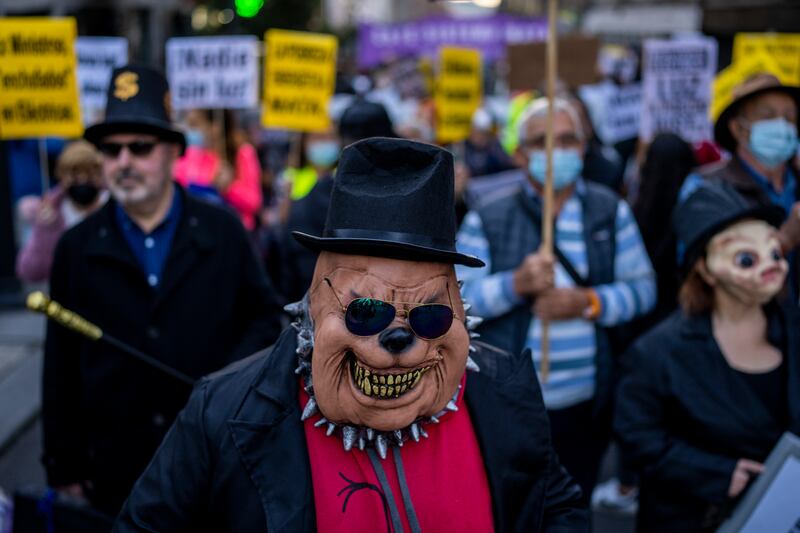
x,y
362,436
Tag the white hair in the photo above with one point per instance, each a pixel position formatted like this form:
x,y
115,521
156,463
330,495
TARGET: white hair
x,y
538,109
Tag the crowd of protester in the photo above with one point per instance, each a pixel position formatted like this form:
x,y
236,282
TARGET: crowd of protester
x,y
645,346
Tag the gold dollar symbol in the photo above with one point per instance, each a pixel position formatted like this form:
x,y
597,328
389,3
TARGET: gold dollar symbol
x,y
126,85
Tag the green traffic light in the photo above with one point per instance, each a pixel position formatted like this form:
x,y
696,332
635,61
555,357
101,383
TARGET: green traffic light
x,y
248,8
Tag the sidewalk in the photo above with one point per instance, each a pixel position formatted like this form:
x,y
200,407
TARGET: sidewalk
x,y
21,338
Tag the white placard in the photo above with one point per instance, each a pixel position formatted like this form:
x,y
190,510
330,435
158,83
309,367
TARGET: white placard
x,y
97,58
213,72
779,508
676,83
615,110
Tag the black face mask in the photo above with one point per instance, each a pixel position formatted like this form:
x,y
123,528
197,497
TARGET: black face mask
x,y
83,194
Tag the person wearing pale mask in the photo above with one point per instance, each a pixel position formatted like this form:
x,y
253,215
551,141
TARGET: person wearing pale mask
x,y
712,388
601,279
759,129
79,193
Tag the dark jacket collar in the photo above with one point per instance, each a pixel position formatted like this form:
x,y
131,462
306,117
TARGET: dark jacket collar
x,y
193,237
780,332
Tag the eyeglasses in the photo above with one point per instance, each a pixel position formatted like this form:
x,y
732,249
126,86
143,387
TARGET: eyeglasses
x,y
136,148
365,317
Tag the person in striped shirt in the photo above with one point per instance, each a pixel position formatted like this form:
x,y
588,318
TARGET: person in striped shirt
x,y
599,278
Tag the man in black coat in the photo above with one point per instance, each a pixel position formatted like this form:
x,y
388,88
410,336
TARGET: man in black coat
x,y
363,416
169,275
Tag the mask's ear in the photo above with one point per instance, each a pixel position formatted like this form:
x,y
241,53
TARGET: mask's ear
x,y
702,269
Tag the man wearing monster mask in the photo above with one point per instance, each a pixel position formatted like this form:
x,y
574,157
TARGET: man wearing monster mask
x,y
378,410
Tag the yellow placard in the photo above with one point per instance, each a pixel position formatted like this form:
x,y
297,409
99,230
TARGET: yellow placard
x,y
783,47
734,74
299,79
459,90
38,87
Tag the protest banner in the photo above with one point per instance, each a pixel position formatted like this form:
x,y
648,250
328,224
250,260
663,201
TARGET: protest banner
x,y
783,47
97,58
577,63
213,72
676,88
737,72
458,93
615,110
38,80
380,43
299,79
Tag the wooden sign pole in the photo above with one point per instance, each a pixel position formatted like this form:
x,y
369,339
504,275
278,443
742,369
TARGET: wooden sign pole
x,y
547,211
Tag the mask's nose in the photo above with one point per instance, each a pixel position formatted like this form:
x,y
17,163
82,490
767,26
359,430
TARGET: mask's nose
x,y
396,340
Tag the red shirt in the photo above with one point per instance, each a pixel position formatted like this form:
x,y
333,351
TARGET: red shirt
x,y
444,473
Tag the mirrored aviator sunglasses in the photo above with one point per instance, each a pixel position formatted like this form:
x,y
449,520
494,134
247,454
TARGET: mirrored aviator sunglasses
x,y
365,317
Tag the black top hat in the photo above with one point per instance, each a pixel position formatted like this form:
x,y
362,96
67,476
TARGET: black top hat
x,y
138,102
709,210
392,198
757,84
364,119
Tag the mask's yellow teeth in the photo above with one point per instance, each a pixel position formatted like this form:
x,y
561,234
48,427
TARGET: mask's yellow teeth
x,y
385,386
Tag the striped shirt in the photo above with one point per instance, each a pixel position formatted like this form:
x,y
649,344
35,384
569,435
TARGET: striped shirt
x,y
572,342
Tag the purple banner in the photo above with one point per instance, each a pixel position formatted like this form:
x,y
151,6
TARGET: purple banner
x,y
378,43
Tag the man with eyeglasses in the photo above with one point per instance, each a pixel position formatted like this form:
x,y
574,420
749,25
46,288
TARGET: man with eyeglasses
x,y
759,129
377,410
600,278
169,275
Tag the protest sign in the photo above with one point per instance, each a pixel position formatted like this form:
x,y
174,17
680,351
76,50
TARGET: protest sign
x,y
97,58
38,81
213,72
380,43
299,79
676,88
577,63
783,47
734,74
458,92
615,110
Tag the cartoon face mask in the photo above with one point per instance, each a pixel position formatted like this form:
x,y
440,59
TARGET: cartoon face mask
x,y
745,259
385,351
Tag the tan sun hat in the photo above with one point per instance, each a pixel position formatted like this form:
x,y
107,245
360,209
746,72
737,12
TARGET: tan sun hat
x,y
754,85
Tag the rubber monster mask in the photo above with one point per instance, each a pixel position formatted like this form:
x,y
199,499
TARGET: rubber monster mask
x,y
746,261
380,383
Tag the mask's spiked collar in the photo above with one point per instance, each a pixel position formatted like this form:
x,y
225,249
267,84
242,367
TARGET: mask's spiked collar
x,y
361,436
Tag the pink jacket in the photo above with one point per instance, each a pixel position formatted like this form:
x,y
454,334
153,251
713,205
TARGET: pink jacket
x,y
200,166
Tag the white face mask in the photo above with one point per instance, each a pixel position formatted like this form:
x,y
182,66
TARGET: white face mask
x,y
746,261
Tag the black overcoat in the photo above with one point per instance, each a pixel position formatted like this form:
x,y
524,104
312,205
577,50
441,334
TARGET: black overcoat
x,y
685,417
105,413
236,458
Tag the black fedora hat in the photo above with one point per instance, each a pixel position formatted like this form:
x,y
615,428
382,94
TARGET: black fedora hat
x,y
754,85
138,102
392,198
710,209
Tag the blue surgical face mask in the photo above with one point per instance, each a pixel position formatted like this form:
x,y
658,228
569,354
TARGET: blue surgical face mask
x,y
773,141
567,166
322,153
195,138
